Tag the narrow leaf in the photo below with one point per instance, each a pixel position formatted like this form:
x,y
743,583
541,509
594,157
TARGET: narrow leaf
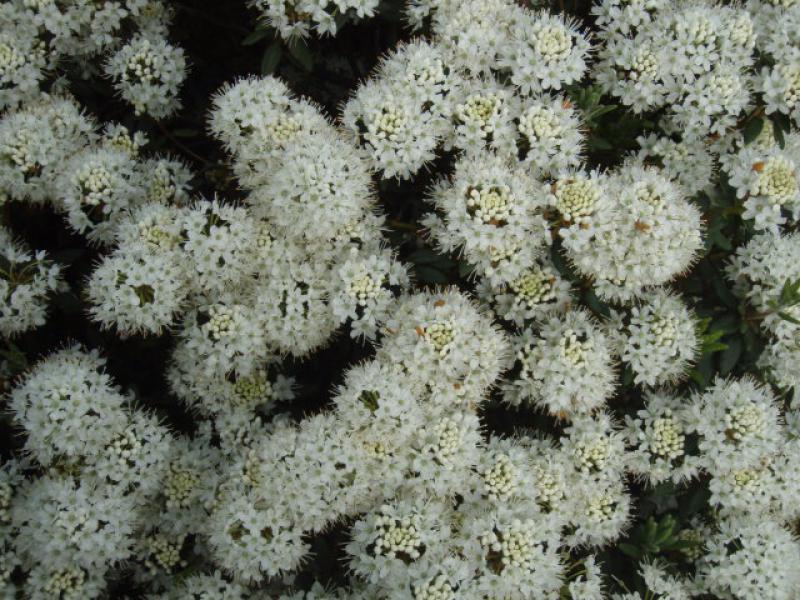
x,y
272,56
752,130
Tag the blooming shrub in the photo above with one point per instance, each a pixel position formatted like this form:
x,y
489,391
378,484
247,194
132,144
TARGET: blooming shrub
x,y
425,300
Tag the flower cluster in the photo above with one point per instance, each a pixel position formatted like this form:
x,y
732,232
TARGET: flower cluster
x,y
130,35
563,395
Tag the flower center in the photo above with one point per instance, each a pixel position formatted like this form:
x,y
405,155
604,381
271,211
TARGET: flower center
x,y
777,180
576,198
398,538
540,123
534,287
492,205
553,42
666,438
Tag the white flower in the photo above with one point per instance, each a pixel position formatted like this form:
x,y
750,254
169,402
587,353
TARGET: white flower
x,y
225,337
135,459
565,366
550,139
750,559
595,447
781,86
96,188
22,62
533,296
68,407
35,142
482,119
394,126
254,539
148,73
219,240
214,394
167,180
515,553
73,524
296,18
651,235
631,69
26,283
768,180
364,290
689,163
657,436
397,540
488,206
759,271
137,293
293,306
445,344
738,423
119,137
473,33
601,511
544,51
657,338
319,185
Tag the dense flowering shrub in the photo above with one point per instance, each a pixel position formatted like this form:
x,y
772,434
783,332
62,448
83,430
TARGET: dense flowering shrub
x,y
514,316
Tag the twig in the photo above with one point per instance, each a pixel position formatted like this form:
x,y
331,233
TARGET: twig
x,y
403,225
181,145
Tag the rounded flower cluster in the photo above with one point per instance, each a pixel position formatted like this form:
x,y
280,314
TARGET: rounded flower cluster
x,y
565,367
148,72
27,280
689,58
657,339
650,235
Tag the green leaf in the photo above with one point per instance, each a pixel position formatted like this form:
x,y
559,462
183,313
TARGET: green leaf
x,y
724,293
430,275
778,132
787,317
730,356
256,36
714,347
271,58
592,301
630,550
425,256
697,377
752,129
465,269
302,55
597,143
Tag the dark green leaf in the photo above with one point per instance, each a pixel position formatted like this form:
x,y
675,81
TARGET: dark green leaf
x,y
597,143
724,293
271,58
256,36
302,55
430,275
752,129
787,317
630,550
730,356
464,269
778,132
425,256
